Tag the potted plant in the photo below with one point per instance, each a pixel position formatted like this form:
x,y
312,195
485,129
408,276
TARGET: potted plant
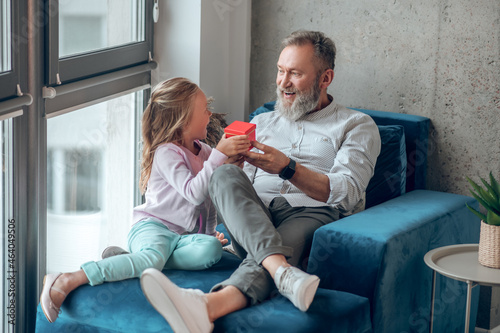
x,y
489,240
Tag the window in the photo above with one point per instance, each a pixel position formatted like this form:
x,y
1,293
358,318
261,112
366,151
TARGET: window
x,y
91,148
74,178
8,224
89,37
83,25
70,146
10,61
91,178
9,107
5,32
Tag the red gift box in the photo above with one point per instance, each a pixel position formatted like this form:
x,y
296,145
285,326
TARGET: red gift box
x,y
241,128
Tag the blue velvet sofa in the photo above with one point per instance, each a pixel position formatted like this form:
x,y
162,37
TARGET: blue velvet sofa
x,y
373,277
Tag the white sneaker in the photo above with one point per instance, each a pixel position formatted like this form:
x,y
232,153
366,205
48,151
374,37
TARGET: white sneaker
x,y
296,285
184,309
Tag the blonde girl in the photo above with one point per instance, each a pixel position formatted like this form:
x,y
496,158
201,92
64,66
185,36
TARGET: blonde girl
x,y
175,227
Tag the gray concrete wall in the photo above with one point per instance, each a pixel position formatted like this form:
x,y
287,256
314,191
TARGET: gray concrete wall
x,y
435,58
438,59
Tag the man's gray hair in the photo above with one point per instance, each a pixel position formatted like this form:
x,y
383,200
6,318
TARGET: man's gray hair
x,y
324,47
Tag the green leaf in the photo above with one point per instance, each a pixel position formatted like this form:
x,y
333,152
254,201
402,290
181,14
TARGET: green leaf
x,y
473,184
495,185
481,201
492,218
485,198
480,215
491,200
491,190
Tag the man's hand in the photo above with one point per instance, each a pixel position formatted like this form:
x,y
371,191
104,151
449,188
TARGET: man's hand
x,y
270,160
314,184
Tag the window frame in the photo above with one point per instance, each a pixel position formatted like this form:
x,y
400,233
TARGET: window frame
x,y
10,81
82,66
26,104
8,219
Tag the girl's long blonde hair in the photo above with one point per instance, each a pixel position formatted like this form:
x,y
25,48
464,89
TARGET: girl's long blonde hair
x,y
169,110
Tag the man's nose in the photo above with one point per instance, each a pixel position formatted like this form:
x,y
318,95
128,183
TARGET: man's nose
x,y
285,81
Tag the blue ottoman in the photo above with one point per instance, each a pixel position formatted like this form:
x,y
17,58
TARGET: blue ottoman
x,y
122,307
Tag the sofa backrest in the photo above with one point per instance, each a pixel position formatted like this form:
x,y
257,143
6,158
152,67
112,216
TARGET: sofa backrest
x,y
416,136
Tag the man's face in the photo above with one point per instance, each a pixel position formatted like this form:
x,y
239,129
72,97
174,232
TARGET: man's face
x,y
298,90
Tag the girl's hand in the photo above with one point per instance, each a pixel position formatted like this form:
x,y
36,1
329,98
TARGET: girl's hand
x,y
234,145
220,237
237,160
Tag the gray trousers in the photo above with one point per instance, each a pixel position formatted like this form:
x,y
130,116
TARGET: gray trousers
x,y
257,231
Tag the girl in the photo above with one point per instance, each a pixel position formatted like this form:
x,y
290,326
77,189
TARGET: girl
x,y
175,227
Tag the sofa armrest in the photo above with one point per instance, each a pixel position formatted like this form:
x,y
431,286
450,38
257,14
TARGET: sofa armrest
x,y
378,253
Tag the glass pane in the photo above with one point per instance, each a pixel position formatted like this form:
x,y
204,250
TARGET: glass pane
x,y
90,25
5,47
91,166
8,250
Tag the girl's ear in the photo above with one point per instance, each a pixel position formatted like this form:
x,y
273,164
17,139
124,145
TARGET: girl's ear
x,y
326,78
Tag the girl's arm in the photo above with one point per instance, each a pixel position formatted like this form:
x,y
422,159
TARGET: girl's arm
x,y
171,163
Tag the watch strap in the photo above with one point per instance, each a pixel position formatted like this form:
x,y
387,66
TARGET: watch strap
x,y
288,171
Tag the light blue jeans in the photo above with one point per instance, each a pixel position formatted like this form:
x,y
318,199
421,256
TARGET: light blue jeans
x,y
153,245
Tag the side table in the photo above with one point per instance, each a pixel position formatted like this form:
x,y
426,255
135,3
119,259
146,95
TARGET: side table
x,y
460,262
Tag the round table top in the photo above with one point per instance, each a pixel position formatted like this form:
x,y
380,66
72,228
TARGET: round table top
x,y
460,262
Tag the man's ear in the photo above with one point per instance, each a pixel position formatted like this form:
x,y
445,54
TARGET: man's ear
x,y
326,78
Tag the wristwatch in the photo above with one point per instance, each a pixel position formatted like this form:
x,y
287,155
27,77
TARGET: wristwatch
x,y
288,171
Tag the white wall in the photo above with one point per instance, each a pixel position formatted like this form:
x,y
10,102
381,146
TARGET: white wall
x,y
208,42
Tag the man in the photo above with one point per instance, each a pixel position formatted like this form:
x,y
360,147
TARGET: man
x,y
313,164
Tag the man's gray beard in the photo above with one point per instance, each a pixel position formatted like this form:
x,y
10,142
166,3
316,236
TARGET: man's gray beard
x,y
304,103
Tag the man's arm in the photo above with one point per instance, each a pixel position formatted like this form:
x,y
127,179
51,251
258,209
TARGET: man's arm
x,y
271,160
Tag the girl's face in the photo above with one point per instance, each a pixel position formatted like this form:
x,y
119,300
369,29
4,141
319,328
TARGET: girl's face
x,y
196,129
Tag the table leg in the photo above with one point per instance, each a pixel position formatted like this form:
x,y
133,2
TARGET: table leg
x,y
431,321
467,309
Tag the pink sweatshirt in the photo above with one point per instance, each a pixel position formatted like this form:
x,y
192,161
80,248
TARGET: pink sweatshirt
x,y
177,191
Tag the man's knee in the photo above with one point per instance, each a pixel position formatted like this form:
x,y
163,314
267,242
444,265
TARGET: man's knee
x,y
222,175
224,170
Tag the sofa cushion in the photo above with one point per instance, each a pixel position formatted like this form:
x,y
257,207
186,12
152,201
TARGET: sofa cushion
x,y
331,311
389,178
417,139
122,307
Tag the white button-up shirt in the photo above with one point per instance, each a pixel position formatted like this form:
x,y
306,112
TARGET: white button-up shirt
x,y
341,143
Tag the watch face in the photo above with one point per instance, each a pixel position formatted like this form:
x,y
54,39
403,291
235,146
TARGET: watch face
x,y
288,171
